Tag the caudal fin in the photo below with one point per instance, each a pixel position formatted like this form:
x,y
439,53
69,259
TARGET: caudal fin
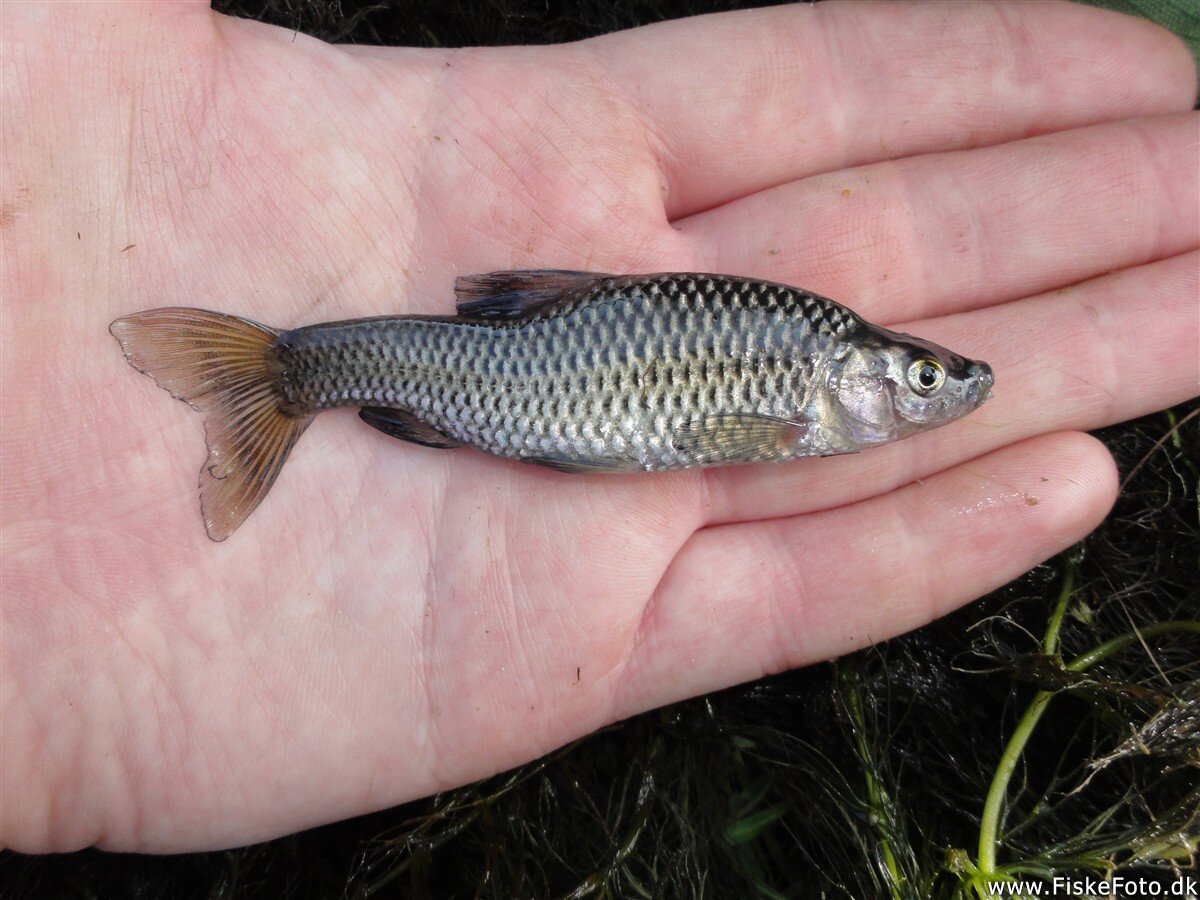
x,y
225,367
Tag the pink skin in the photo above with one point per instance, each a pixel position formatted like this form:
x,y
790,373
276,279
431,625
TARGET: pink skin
x,y
396,620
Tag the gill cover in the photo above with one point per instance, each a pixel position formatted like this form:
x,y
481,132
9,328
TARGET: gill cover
x,y
890,385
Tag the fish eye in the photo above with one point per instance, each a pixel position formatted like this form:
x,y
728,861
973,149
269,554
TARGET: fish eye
x,y
926,375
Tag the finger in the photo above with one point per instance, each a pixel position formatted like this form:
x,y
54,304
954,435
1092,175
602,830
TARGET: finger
x,y
935,234
741,601
1102,352
743,101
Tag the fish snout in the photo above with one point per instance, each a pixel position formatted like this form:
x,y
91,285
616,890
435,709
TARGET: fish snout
x,y
979,382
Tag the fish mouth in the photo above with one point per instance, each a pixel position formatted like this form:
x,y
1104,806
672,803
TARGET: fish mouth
x,y
981,384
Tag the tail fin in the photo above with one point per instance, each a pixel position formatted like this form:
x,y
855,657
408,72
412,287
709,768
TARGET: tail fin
x,y
225,367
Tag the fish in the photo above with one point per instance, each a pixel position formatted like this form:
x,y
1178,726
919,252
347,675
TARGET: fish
x,y
580,372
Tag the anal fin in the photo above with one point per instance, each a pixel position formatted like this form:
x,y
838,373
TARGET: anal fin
x,y
404,425
584,466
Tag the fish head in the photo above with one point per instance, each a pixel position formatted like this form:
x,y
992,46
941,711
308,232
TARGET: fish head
x,y
886,386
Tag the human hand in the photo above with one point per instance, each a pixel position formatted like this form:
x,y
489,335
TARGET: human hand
x,y
396,620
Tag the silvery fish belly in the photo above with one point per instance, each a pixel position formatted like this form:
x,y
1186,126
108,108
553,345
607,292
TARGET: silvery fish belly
x,y
576,371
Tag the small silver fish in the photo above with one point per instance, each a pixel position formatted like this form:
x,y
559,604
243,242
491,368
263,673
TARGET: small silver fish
x,y
577,371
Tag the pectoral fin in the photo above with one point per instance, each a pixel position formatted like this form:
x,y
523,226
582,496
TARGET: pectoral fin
x,y
739,438
404,425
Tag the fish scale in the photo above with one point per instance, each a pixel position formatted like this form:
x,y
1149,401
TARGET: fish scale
x,y
578,371
633,358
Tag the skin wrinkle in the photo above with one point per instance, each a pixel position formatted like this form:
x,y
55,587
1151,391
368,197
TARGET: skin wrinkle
x,y
262,699
1097,345
630,96
1105,370
789,610
907,256
445,104
1093,396
837,127
859,131
909,516
552,623
569,229
276,731
323,683
153,695
522,614
317,683
131,143
399,210
42,740
433,745
1021,43
1022,196
661,516
625,679
526,627
118,771
610,97
345,229
710,495
420,741
619,675
172,739
1125,193
490,125
1163,178
356,231
708,250
200,178
360,499
790,584
163,170
446,749
978,231
359,456
468,129
686,196
415,184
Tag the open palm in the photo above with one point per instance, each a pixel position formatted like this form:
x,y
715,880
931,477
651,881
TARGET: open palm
x,y
394,619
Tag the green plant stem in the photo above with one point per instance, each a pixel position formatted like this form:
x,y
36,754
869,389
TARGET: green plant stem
x,y
1054,626
1121,641
989,824
994,804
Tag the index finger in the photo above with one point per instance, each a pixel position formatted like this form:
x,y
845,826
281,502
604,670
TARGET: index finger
x,y
743,101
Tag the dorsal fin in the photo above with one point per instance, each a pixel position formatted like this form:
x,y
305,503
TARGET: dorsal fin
x,y
521,292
